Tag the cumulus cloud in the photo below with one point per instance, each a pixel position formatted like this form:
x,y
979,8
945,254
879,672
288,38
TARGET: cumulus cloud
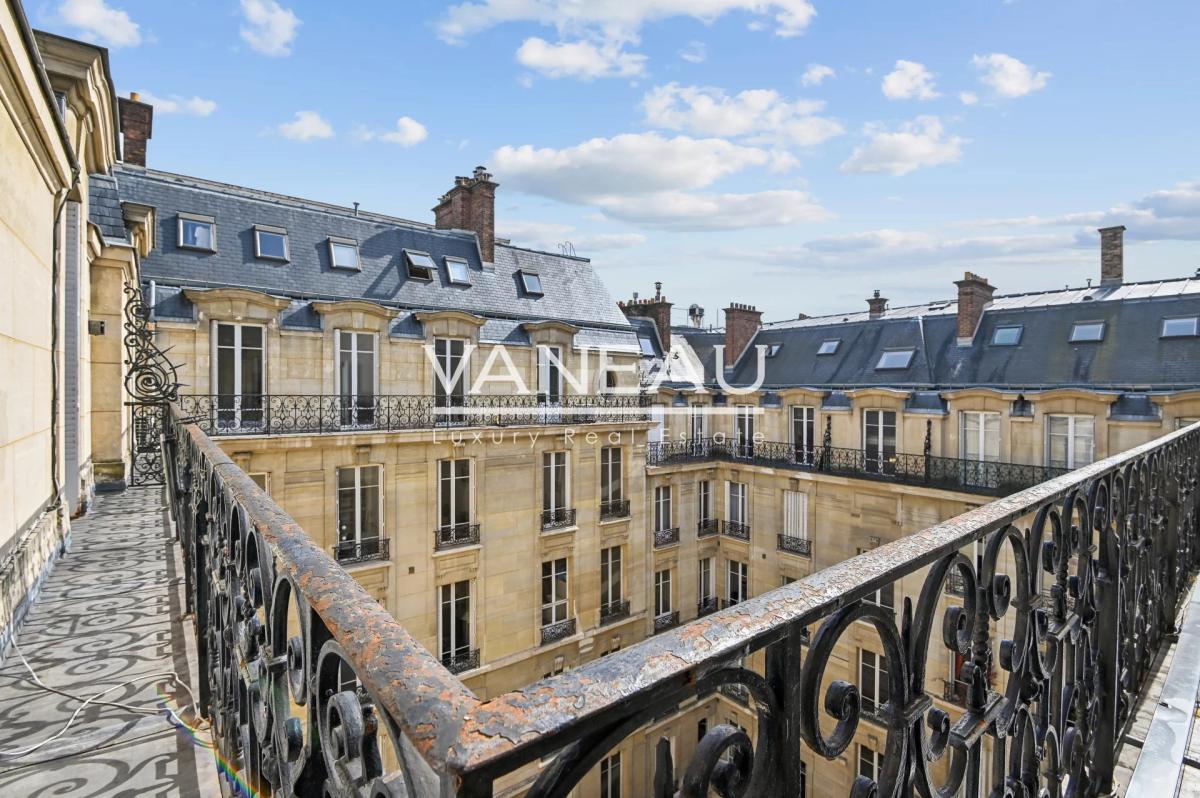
x,y
909,80
269,27
918,143
306,126
700,212
190,106
579,59
816,74
968,97
549,235
694,53
1007,76
96,20
761,114
407,133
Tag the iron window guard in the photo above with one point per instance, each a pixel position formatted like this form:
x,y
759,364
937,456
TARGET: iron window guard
x,y
794,545
461,661
614,611
452,536
552,633
558,518
666,621
706,527
666,537
706,606
348,552
735,529
614,509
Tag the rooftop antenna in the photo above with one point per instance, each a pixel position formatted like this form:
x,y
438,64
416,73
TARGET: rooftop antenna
x,y
567,248
356,209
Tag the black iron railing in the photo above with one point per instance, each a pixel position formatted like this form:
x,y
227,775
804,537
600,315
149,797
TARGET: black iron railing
x,y
614,509
735,529
348,552
308,677
463,659
558,518
795,545
946,473
707,526
552,633
451,536
956,692
706,606
614,611
666,537
284,414
666,620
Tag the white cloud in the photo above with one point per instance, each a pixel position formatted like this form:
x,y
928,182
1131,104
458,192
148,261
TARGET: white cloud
x,y
191,106
95,19
1008,76
408,132
921,142
694,53
608,241
579,59
816,74
270,28
702,212
968,97
306,125
548,236
758,113
907,81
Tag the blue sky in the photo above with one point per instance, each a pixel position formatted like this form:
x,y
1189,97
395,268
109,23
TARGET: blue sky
x,y
792,154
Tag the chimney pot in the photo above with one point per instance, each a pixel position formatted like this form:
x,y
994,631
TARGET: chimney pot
x,y
974,295
742,323
471,205
658,309
1112,255
876,305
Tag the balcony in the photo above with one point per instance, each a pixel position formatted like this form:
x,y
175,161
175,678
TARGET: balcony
x,y
707,527
557,518
552,633
735,529
614,611
795,545
313,414
944,473
351,667
706,606
453,536
614,509
665,621
666,537
461,661
349,552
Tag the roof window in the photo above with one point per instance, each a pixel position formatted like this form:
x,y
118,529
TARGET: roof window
x,y
197,232
829,346
647,346
343,253
531,282
1084,331
458,271
895,359
1007,335
773,349
270,243
420,265
1183,327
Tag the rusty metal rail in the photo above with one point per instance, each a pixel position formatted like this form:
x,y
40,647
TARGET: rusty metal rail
x,y
314,687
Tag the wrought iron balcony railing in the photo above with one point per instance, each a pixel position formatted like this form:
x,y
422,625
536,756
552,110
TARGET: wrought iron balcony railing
x,y
666,537
706,606
947,473
956,692
558,518
614,611
466,659
955,584
312,687
286,414
552,633
735,529
614,509
348,552
665,621
795,545
707,527
451,536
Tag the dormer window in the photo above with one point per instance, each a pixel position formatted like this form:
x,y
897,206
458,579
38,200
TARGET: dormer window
x,y
197,232
457,271
532,283
1008,335
1084,331
343,253
895,359
773,349
270,243
420,265
1183,327
829,346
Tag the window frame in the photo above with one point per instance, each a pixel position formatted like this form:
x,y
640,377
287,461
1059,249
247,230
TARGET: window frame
x,y
455,650
739,571
1195,320
556,473
409,265
610,776
337,241
663,498
259,229
706,587
1020,328
664,601
357,489
704,501
837,344
556,602
448,479
774,348
466,268
891,351
1075,326
611,576
742,503
981,417
1072,459
612,474
880,687
525,274
195,218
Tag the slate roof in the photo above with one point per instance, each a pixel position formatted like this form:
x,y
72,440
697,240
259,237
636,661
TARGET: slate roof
x,y
104,207
573,292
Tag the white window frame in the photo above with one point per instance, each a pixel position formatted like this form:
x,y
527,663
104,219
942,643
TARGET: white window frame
x,y
610,776
451,264
448,482
1020,328
743,430
358,470
528,286
353,352
1074,460
981,418
737,502
557,603
805,445
259,229
877,679
442,631
1078,327
663,599
826,344
879,455
262,479
195,218
706,588
610,567
411,256
345,242
556,465
874,760
550,369
737,572
795,514
887,354
443,354
612,469
662,507
704,502
236,350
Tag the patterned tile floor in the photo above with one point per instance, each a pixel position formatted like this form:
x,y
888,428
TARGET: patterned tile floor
x,y
110,612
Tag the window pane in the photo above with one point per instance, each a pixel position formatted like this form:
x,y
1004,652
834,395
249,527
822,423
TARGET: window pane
x,y
458,271
197,234
345,256
1088,331
1006,336
1177,327
271,245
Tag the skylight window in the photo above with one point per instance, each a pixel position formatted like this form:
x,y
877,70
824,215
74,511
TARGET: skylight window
x,y
457,269
1179,328
532,283
895,359
1008,335
1087,331
197,232
270,243
829,347
343,253
647,346
773,349
420,265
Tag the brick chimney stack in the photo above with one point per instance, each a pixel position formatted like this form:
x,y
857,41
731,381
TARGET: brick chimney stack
x,y
876,305
137,120
658,309
1112,255
741,325
471,205
974,295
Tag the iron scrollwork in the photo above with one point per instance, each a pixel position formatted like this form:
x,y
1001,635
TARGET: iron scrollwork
x,y
152,382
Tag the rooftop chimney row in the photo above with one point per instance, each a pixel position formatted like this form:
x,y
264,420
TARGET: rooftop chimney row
x,y
658,309
471,205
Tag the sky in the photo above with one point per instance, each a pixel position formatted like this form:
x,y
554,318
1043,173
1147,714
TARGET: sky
x,y
790,154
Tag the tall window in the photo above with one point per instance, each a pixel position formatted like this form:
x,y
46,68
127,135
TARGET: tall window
x,y
358,504
870,763
662,507
610,577
356,377
743,431
872,680
550,377
454,622
610,776
980,434
883,597
454,498
803,429
736,508
1070,441
662,592
610,475
879,441
704,581
239,374
795,514
450,385
554,591
554,486
697,423
737,582
704,508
